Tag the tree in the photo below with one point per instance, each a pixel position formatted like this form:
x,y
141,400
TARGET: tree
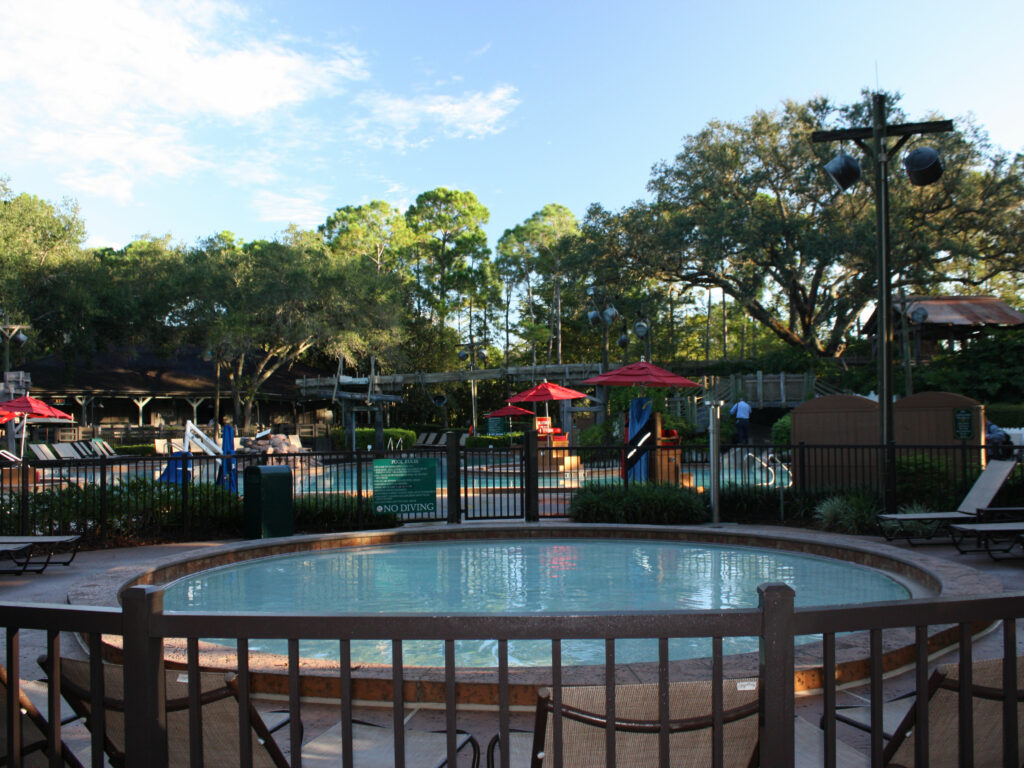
x,y
448,225
746,208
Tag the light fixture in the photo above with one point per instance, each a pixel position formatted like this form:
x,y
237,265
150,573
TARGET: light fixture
x,y
844,170
610,314
594,317
640,328
463,354
624,340
923,166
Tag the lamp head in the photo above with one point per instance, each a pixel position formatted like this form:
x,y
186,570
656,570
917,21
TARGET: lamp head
x,y
463,354
640,328
624,340
923,166
610,314
594,317
844,170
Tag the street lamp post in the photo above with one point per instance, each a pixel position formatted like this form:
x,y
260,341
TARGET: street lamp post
x,y
923,167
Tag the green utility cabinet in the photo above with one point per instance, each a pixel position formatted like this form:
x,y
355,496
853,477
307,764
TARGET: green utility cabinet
x,y
268,502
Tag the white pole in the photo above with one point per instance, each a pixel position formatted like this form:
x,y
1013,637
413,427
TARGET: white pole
x,y
714,443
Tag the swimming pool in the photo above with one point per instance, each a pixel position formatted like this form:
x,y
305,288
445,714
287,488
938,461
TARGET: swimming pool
x,y
555,575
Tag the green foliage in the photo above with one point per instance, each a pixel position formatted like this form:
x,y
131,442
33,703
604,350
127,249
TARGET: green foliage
x,y
366,436
143,449
337,512
983,369
638,504
494,441
782,430
855,513
923,479
1006,414
597,435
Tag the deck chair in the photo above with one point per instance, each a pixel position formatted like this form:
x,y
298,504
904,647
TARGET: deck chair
x,y
42,452
35,553
219,715
943,718
919,526
638,726
104,448
66,451
34,743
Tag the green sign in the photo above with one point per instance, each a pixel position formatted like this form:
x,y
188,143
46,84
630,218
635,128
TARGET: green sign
x,y
963,424
404,486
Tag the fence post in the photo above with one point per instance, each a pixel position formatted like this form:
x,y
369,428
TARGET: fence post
x,y
145,698
454,488
531,483
776,670
103,499
23,500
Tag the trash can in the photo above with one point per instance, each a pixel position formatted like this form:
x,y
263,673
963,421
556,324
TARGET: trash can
x,y
268,502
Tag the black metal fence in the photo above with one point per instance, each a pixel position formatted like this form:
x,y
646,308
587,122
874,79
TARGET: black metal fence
x,y
143,628
176,496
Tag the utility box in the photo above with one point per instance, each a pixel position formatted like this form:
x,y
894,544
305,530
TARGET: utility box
x,y
268,502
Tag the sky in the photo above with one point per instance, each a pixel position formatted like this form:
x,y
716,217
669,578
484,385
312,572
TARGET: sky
x,y
191,117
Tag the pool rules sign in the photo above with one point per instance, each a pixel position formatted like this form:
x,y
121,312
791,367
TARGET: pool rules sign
x,y
405,486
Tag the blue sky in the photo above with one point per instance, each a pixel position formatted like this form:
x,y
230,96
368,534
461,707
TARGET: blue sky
x,y
191,117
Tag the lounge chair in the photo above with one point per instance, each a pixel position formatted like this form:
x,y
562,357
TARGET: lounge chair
x,y
66,451
220,717
35,553
34,742
42,452
104,448
974,508
998,539
944,720
638,727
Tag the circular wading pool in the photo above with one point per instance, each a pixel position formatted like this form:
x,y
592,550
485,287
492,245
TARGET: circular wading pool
x,y
524,575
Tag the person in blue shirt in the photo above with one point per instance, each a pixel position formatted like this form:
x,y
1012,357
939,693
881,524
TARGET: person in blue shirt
x,y
741,410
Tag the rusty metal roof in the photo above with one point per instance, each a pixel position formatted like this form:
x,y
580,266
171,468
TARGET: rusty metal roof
x,y
959,310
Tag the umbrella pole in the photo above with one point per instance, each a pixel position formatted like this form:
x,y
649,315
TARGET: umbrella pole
x,y
24,429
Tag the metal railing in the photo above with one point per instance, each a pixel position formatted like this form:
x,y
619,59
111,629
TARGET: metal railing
x,y
178,497
143,628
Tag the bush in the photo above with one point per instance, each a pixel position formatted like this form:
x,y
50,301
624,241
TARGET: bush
x,y
367,435
923,479
855,513
494,441
1005,414
337,512
145,449
782,430
638,504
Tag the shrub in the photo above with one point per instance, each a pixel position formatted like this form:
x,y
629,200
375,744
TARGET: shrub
x,y
145,449
494,441
639,504
782,430
924,479
855,513
367,435
338,512
1005,414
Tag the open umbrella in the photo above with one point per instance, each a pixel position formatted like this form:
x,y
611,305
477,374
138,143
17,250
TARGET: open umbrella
x,y
29,406
510,411
544,393
643,373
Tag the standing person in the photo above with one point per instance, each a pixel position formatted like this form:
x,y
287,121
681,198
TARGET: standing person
x,y
741,410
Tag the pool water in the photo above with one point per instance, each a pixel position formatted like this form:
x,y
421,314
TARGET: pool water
x,y
498,576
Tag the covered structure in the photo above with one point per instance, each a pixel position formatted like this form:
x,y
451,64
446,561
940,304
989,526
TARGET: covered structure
x,y
924,321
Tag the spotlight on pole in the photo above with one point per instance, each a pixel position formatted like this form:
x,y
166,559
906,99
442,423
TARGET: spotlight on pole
x,y
923,166
610,314
594,317
844,170
640,328
624,340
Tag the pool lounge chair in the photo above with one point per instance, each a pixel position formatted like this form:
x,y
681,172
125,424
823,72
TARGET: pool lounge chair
x,y
997,539
66,451
944,720
42,452
638,727
220,718
33,731
923,526
33,554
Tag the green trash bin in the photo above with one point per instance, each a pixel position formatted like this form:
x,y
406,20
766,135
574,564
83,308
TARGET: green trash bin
x,y
268,502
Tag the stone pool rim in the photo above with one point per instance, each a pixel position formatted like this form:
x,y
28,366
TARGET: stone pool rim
x,y
934,576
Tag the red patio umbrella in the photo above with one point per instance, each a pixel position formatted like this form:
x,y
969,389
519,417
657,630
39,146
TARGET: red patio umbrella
x,y
509,411
546,392
643,373
29,406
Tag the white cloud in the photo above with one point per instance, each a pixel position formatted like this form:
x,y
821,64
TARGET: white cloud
x,y
307,208
393,119
112,87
